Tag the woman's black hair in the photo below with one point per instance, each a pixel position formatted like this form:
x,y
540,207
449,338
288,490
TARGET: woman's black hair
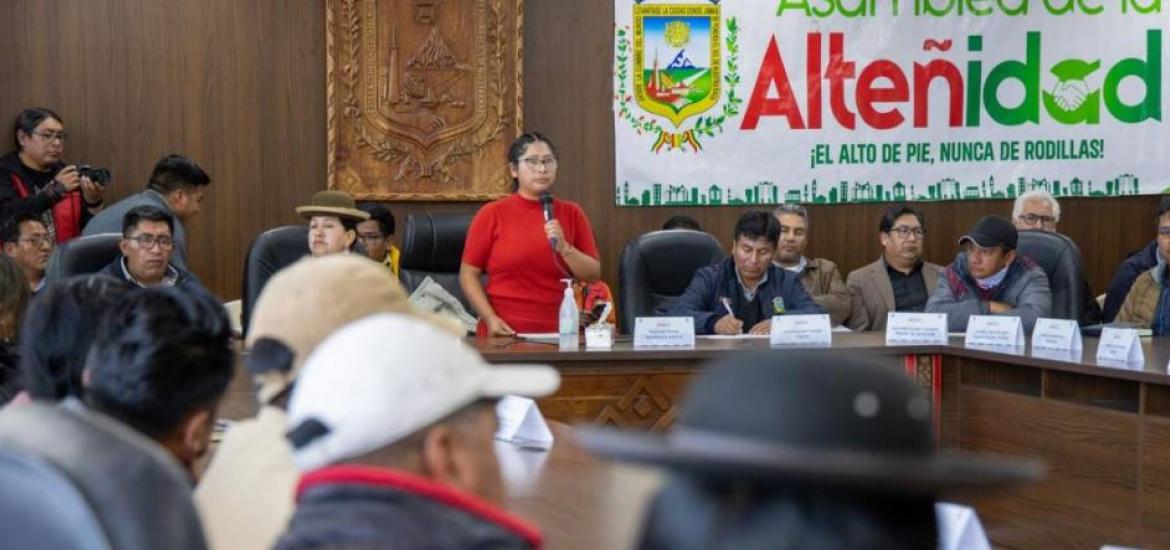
x,y
29,119
520,146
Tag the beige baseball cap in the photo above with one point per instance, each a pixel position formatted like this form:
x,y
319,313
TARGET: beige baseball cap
x,y
307,301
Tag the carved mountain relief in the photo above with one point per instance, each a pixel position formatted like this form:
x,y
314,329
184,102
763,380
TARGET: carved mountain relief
x,y
424,97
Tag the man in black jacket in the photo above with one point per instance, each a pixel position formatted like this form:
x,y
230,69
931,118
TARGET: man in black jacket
x,y
742,293
147,245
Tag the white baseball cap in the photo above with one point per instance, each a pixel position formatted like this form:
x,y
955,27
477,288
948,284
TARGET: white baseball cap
x,y
382,378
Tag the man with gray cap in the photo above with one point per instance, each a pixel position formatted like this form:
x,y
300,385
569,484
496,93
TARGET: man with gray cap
x,y
246,494
396,450
988,277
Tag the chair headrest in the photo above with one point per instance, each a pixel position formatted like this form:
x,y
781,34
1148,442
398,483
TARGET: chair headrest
x,y
83,255
140,496
279,247
668,269
434,242
1049,250
39,501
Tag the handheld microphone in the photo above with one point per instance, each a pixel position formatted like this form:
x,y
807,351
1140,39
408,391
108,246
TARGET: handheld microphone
x,y
546,204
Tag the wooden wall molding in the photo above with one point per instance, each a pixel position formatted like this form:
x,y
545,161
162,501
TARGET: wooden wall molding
x,y
423,97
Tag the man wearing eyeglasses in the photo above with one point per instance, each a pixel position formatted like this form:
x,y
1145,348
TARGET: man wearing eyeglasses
x,y
1147,304
1038,210
147,245
34,180
989,277
28,242
377,233
900,280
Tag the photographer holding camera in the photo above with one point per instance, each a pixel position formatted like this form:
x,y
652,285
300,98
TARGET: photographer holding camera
x,y
34,180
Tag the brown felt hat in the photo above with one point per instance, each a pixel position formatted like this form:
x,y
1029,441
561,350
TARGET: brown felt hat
x,y
821,419
306,302
333,203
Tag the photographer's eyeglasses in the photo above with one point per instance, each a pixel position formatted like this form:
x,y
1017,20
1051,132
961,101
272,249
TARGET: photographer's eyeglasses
x,y
534,163
146,242
37,242
52,136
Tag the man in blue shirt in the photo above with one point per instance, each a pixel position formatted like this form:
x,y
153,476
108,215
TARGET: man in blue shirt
x,y
742,293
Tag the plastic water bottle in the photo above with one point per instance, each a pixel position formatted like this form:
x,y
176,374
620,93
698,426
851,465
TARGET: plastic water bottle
x,y
568,318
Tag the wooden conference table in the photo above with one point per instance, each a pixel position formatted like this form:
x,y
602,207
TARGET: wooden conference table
x,y
1104,431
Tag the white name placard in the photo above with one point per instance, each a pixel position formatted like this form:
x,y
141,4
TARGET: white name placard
x,y
1057,335
598,337
1119,345
522,424
907,329
994,331
801,330
664,331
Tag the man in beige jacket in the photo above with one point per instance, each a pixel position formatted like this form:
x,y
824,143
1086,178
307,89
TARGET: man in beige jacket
x,y
898,281
246,496
1148,304
819,277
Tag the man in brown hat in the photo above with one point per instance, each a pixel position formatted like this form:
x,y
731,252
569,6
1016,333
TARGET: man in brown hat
x,y
246,494
333,217
814,451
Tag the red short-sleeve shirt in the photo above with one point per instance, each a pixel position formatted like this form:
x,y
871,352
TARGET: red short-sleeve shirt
x,y
507,241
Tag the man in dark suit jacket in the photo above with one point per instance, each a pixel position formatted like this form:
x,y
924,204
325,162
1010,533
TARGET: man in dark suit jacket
x,y
743,292
898,281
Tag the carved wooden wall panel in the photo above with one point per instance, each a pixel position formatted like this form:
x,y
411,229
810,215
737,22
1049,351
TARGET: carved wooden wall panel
x,y
424,97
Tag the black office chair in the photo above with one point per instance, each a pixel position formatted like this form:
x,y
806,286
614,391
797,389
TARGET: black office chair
x,y
432,246
83,255
77,479
656,268
1061,260
272,251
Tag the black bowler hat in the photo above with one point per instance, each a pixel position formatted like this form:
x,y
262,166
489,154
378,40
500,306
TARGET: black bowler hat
x,y
992,231
816,419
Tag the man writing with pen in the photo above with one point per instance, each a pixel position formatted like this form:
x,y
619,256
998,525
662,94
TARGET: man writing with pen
x,y
741,294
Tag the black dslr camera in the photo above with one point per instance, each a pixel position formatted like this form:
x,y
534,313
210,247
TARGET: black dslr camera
x,y
100,176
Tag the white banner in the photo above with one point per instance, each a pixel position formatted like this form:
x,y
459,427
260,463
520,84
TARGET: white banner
x,y
835,101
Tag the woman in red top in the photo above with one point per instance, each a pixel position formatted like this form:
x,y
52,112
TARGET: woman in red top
x,y
510,241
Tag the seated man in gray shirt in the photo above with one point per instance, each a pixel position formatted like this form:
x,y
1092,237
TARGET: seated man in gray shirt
x,y
177,186
988,277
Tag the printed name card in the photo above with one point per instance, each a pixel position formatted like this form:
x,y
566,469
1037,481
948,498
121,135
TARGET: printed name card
x,y
1057,335
522,424
801,330
909,329
664,331
994,331
1119,345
